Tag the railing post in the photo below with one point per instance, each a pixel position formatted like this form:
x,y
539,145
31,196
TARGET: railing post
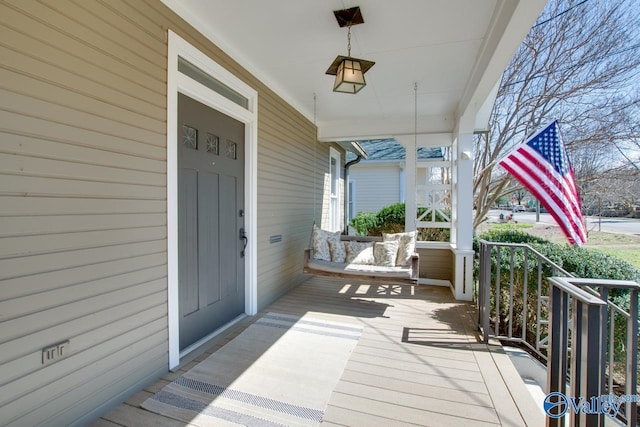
x,y
591,375
486,291
575,377
539,295
604,296
525,295
558,342
497,298
631,387
511,290
480,303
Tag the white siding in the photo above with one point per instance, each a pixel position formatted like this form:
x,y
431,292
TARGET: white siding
x,y
377,185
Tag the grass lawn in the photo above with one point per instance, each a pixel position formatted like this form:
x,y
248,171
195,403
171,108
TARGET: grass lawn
x,y
631,255
623,246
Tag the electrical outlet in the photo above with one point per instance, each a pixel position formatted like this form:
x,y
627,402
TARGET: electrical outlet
x,y
55,352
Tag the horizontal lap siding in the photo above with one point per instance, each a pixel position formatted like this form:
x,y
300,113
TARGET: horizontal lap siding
x,y
82,208
83,200
287,160
436,263
376,186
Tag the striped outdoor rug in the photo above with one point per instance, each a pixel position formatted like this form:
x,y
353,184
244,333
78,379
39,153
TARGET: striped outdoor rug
x,y
279,371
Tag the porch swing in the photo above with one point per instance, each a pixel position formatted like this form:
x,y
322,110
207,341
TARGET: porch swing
x,y
360,266
391,258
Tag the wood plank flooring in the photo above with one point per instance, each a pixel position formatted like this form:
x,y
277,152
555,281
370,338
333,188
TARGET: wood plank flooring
x,y
419,361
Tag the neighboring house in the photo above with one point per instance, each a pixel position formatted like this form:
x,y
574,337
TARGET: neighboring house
x,y
148,148
379,180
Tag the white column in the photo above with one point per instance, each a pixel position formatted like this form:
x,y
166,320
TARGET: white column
x,y
411,204
462,209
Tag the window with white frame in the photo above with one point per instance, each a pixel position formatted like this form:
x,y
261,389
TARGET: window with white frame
x,y
334,190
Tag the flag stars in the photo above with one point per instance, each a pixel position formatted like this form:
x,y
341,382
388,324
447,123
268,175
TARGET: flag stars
x,y
547,144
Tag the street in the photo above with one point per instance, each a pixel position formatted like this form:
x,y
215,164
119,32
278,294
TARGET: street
x,y
609,225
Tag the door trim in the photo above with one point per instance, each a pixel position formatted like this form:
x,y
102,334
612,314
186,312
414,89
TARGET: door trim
x,y
178,82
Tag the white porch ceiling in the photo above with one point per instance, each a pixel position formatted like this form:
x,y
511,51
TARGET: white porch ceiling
x,y
455,50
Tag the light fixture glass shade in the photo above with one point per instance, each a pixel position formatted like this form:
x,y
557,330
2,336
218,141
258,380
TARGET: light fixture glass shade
x,y
349,77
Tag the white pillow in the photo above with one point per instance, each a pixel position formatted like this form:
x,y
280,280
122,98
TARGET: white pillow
x,y
359,253
338,252
320,243
406,246
385,253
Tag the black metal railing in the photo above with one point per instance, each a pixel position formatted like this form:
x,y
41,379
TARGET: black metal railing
x,y
589,342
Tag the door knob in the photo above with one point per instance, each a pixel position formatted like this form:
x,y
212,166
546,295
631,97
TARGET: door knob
x,y
245,240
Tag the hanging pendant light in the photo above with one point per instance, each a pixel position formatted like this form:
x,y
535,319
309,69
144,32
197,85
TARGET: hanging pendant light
x,y
349,71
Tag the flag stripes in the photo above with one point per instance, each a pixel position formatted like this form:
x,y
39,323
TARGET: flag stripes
x,y
542,166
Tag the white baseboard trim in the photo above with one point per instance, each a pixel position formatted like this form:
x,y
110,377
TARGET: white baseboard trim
x,y
434,282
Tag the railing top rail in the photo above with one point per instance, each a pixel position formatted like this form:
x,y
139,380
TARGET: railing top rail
x,y
524,245
574,291
606,283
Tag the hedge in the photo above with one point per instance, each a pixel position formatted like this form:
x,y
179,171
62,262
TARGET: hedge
x,y
579,261
391,219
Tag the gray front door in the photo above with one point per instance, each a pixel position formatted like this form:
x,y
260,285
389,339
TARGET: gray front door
x,y
210,219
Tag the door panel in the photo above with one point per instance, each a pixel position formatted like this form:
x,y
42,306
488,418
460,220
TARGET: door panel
x,y
210,235
210,198
189,292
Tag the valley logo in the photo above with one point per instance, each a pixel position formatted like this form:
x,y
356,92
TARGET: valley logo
x,y
557,404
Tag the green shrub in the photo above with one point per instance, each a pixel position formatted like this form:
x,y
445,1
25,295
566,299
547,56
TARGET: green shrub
x,y
391,219
434,234
584,262
392,214
579,261
363,222
510,236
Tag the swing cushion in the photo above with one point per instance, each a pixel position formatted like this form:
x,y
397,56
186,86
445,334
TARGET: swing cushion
x,y
406,246
341,269
385,253
359,253
320,242
338,251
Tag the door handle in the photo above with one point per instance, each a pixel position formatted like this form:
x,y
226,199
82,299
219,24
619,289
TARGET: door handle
x,y
245,240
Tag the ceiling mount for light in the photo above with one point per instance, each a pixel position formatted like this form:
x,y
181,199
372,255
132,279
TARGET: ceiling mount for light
x,y
349,71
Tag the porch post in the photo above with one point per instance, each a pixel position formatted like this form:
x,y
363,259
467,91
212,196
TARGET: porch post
x,y
411,204
462,209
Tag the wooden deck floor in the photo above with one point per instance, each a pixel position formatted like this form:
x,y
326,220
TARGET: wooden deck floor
x,y
419,361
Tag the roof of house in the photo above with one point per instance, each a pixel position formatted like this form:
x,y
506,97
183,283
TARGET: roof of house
x,y
390,149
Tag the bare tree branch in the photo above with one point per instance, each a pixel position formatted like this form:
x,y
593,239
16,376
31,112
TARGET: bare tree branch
x,y
579,64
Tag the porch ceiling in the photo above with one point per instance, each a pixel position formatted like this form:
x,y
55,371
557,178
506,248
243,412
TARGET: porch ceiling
x,y
455,50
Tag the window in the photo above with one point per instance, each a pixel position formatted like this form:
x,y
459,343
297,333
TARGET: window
x,y
202,77
334,197
351,204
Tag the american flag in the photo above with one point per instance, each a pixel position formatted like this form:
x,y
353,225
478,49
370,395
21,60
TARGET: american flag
x,y
542,166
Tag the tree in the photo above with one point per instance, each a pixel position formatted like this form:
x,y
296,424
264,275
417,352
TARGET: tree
x,y
619,188
579,64
519,194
